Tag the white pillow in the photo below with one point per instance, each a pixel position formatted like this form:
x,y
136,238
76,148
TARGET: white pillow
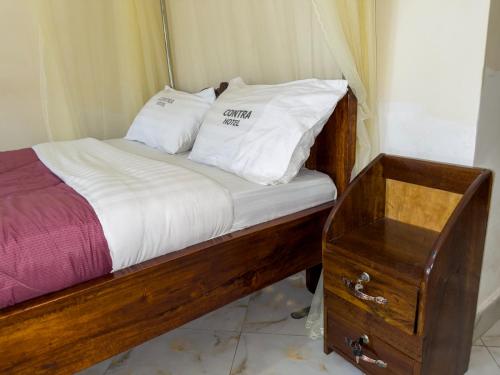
x,y
264,133
170,120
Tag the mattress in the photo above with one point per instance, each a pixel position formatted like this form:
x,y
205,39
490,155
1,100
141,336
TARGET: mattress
x,y
77,210
253,203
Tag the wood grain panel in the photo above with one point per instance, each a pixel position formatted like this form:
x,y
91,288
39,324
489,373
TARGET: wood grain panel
x,y
362,203
334,150
449,177
401,309
390,247
451,284
419,205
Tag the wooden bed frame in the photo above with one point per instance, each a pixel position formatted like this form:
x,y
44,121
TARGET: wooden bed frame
x,y
72,329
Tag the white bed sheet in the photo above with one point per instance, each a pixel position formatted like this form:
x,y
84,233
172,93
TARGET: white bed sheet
x,y
253,203
146,207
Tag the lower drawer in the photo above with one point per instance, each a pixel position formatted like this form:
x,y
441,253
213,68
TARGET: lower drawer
x,y
376,357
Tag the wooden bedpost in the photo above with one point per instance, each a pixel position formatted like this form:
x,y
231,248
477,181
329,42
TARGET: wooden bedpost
x,y
334,153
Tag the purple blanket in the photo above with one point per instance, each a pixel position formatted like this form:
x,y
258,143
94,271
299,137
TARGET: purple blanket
x,y
50,237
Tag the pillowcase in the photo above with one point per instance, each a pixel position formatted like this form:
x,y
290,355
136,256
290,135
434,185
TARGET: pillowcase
x,y
264,133
170,120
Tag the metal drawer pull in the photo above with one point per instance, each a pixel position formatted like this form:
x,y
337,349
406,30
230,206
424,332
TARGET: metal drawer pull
x,y
357,289
357,350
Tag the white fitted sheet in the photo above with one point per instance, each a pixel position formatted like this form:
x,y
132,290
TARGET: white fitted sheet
x,y
253,203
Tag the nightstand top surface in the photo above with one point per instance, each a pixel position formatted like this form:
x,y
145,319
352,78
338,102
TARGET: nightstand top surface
x,y
392,245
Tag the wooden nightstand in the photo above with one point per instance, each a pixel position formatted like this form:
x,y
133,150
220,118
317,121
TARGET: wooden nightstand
x,y
402,255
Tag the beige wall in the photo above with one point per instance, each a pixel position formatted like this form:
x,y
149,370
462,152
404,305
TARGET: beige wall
x,y
488,155
435,102
430,57
21,121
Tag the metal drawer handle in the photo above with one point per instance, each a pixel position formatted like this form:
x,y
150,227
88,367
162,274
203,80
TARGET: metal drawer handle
x,y
357,350
357,289
377,362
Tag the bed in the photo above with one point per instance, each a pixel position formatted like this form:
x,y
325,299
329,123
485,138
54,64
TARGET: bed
x,y
74,328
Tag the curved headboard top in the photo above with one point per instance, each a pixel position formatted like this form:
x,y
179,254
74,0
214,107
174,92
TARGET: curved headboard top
x,y
334,151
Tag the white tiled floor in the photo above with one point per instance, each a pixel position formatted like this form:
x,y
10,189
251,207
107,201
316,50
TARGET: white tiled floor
x,y
257,336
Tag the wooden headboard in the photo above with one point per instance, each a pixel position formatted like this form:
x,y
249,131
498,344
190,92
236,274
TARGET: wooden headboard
x,y
334,151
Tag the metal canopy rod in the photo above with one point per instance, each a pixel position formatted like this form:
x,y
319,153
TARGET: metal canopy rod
x,y
166,37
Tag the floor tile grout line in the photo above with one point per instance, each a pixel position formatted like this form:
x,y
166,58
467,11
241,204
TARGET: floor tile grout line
x,y
207,329
246,314
492,356
108,366
222,330
277,333
239,337
241,331
234,355
481,343
120,354
491,346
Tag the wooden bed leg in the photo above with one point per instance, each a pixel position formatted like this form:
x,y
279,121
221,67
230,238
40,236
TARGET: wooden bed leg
x,y
326,349
312,277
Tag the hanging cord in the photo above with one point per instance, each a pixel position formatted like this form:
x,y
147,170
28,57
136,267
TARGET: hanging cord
x,y
167,43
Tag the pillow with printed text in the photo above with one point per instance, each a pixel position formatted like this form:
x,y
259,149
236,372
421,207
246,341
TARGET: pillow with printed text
x,y
170,120
264,133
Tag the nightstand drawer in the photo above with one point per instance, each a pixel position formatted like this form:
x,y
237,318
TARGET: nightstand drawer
x,y
390,299
375,356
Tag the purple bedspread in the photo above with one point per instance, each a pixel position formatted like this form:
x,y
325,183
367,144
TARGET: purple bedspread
x,y
50,237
